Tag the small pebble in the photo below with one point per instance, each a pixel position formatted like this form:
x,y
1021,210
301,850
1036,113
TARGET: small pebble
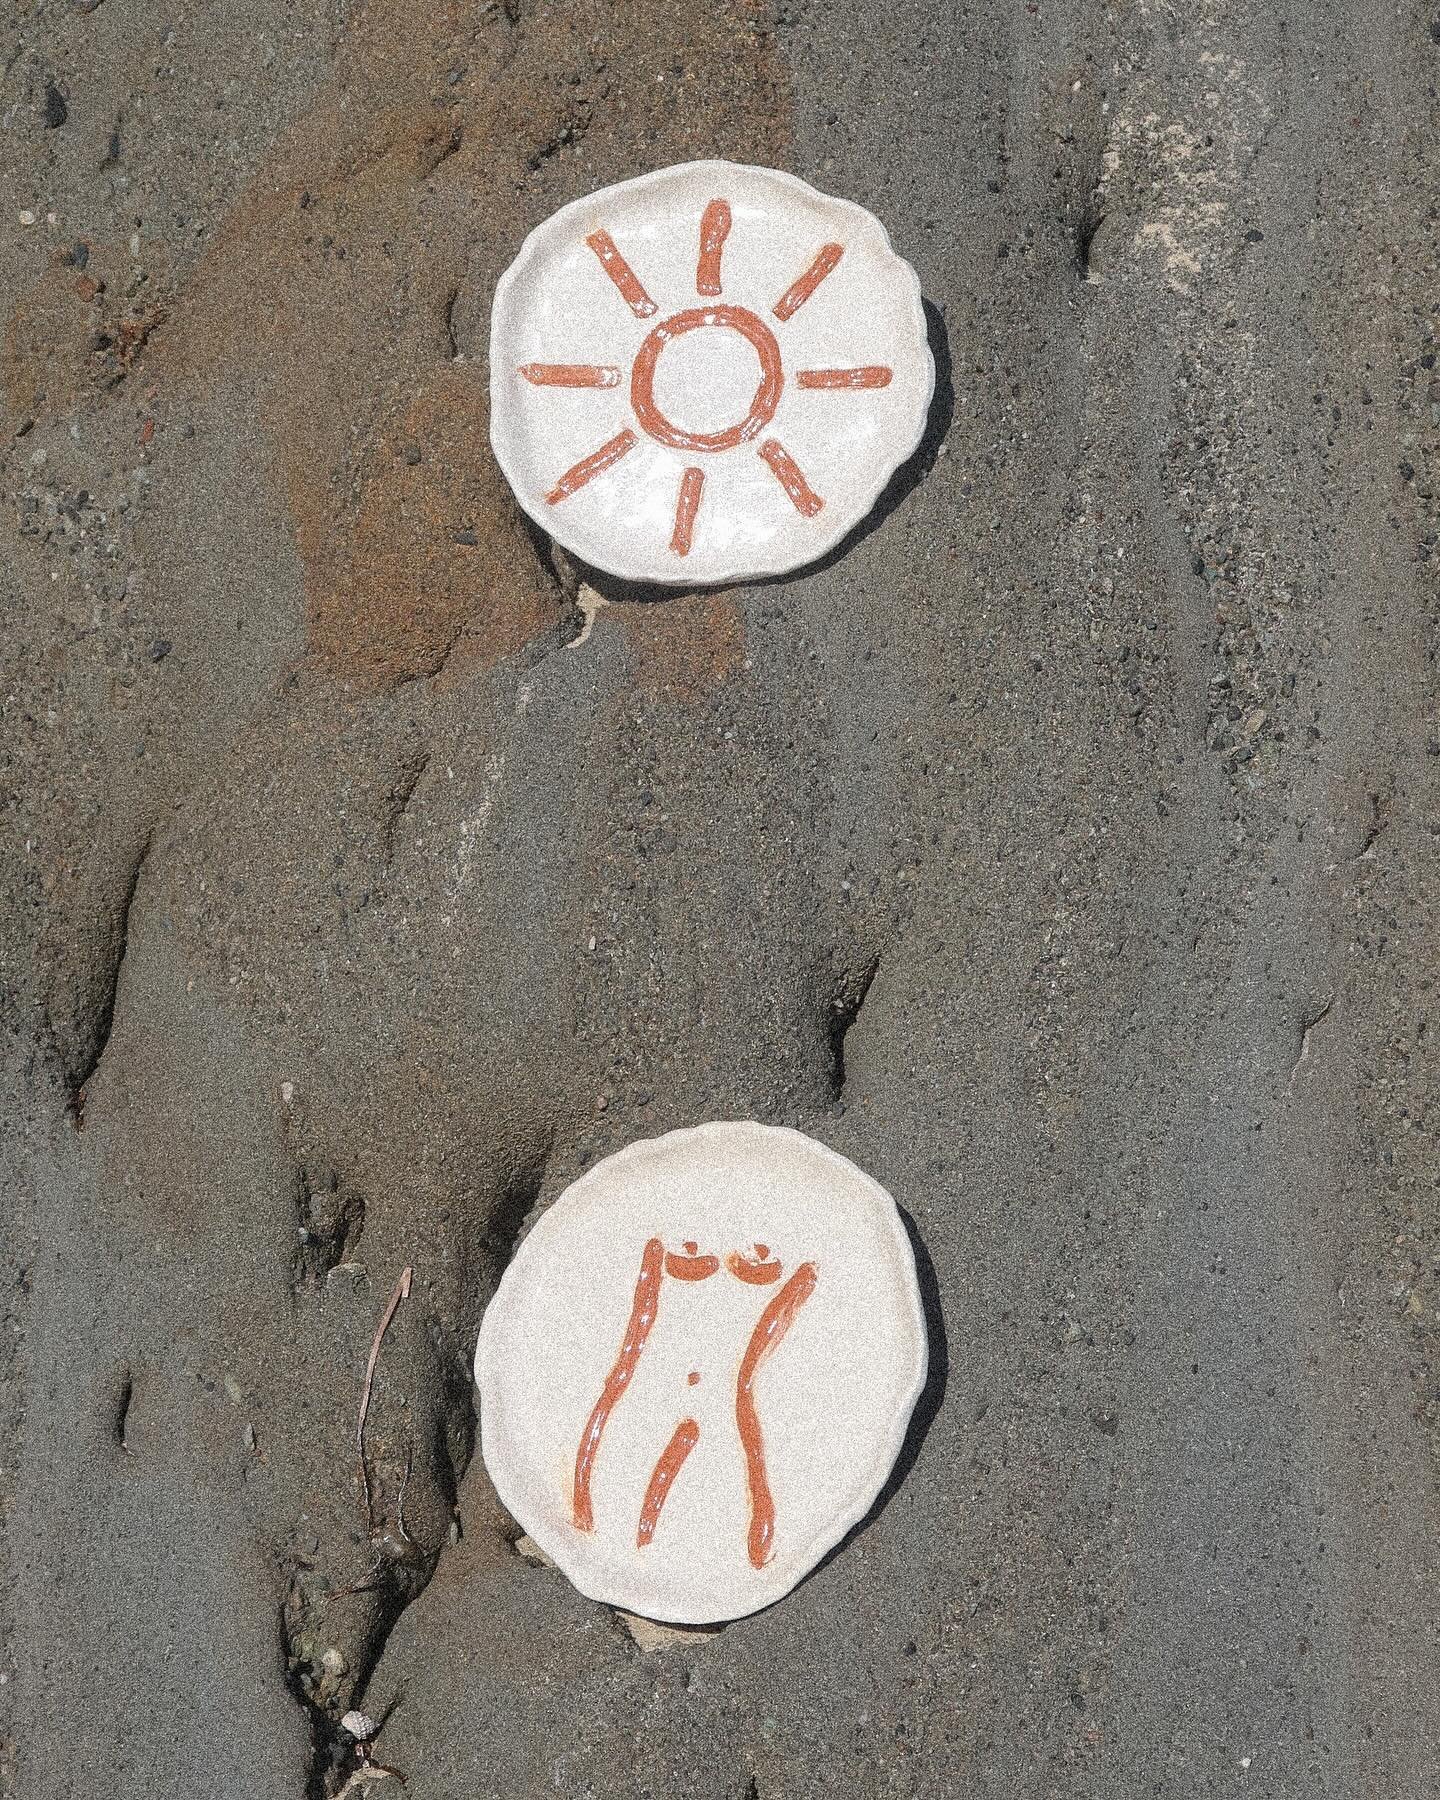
x,y
650,1636
360,1725
160,649
527,1547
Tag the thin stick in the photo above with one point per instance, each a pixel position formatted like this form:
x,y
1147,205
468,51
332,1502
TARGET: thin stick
x,y
365,1774
400,1500
402,1292
365,1585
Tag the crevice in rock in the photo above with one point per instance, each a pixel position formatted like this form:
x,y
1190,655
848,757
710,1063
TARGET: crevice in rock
x,y
82,1072
330,1220
555,566
122,1411
1073,115
571,131
402,791
327,1749
448,321
1375,825
844,1011
1302,1055
558,574
1086,231
324,1688
439,149
499,1237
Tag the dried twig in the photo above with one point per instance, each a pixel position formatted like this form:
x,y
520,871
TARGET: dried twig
x,y
365,1774
365,1585
400,1498
402,1292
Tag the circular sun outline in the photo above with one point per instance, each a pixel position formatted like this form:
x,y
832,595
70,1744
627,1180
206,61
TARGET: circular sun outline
x,y
713,229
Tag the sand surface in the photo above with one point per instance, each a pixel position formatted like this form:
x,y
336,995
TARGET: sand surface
x,y
1063,851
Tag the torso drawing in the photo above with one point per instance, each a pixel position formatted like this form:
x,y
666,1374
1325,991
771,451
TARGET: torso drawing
x,y
753,1270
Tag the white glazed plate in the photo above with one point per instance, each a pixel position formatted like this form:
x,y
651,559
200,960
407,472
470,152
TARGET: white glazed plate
x,y
686,1419
707,373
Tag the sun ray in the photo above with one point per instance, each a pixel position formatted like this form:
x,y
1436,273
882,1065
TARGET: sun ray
x,y
590,466
692,485
826,260
714,229
620,272
787,472
873,375
574,375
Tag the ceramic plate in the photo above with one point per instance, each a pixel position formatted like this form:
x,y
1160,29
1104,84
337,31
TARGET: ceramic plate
x,y
699,1367
707,373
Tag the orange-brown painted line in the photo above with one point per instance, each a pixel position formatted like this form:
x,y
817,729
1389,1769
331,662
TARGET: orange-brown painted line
x,y
767,395
590,466
800,290
690,1266
787,472
642,1317
873,375
773,1323
585,375
692,484
714,229
757,1269
662,1478
620,272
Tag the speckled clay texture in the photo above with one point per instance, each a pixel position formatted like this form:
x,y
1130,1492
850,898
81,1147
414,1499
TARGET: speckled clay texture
x,y
707,373
832,1397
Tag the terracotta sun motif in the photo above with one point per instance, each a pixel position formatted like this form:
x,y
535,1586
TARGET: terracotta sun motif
x,y
684,1423
706,373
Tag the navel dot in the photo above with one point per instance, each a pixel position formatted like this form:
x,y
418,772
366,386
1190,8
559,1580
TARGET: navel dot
x,y
693,1377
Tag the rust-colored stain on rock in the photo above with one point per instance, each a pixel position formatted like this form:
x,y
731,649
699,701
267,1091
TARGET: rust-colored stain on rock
x,y
685,647
432,559
79,330
349,286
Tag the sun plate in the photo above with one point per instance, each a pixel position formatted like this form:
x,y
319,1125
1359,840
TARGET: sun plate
x,y
707,373
699,1368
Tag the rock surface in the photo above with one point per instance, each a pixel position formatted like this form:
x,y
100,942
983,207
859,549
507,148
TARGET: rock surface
x,y
1063,852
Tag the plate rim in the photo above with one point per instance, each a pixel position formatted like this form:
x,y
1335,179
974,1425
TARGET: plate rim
x,y
757,568
821,1542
